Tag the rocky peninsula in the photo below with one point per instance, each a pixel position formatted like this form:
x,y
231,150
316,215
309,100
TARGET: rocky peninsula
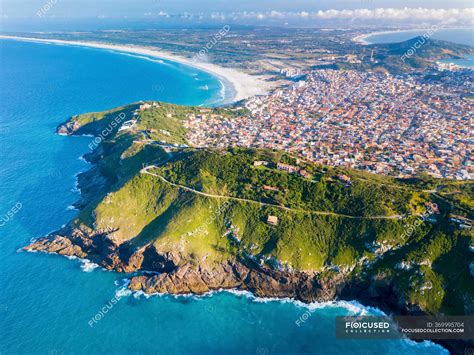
x,y
180,220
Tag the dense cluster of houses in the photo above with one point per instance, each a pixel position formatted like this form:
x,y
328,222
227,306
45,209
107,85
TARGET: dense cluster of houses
x,y
396,125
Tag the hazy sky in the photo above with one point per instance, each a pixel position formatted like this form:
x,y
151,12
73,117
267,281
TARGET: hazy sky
x,y
142,8
53,15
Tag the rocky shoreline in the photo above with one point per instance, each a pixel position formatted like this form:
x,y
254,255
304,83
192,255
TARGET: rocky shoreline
x,y
170,272
160,274
175,275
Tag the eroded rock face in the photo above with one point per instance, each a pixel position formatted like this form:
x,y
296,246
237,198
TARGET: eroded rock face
x,y
191,279
177,275
96,246
234,274
59,245
68,128
91,184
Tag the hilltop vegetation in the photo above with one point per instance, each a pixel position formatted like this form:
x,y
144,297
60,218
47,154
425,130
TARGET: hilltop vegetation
x,y
233,173
414,54
213,206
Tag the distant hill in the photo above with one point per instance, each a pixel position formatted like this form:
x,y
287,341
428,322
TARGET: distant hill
x,y
414,54
422,47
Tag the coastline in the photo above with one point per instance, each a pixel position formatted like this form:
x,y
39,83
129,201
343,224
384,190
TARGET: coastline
x,y
242,85
301,289
461,63
362,39
258,299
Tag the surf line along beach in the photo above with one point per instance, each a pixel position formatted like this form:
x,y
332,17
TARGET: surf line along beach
x,y
242,84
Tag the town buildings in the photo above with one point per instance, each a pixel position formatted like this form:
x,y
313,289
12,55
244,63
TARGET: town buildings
x,y
396,125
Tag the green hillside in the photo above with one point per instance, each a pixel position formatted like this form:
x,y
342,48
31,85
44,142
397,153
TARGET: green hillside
x,y
214,205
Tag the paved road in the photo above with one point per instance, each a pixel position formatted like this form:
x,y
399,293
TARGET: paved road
x,y
145,170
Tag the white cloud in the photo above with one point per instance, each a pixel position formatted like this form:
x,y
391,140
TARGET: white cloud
x,y
386,14
277,14
398,14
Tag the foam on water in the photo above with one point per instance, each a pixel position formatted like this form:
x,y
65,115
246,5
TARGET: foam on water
x,y
88,266
54,299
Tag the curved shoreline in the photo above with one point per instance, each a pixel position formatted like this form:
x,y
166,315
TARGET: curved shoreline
x,y
362,39
269,299
242,85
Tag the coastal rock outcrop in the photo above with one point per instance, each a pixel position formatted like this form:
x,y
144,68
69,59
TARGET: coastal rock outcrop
x,y
236,275
159,213
176,275
58,245
68,128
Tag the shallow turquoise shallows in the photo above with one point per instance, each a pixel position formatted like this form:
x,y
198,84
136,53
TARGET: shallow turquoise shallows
x,y
47,301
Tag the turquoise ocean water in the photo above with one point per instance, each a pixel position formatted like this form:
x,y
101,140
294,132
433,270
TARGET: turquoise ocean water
x,y
46,301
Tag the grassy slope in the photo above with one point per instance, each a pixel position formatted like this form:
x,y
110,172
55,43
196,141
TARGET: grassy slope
x,y
142,209
232,173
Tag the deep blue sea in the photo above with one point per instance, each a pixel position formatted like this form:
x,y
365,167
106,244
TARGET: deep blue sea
x,y
46,301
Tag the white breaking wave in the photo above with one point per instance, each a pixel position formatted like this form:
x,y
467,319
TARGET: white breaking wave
x,y
88,266
353,307
140,57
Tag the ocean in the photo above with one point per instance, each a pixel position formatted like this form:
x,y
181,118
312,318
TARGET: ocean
x,y
47,302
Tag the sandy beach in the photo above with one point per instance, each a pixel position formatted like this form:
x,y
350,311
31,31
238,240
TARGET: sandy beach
x,y
242,85
362,39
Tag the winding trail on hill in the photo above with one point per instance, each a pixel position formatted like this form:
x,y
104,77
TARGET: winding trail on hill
x,y
146,169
